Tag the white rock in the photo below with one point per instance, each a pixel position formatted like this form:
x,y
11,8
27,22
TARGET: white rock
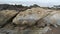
x,y
53,18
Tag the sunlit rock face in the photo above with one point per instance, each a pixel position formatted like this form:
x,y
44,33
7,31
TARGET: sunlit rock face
x,y
53,18
6,15
30,16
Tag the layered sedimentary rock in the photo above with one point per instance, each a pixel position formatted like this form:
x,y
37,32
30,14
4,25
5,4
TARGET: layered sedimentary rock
x,y
6,15
30,16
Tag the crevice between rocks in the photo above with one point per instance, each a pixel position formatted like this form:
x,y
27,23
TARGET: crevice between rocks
x,y
9,20
42,19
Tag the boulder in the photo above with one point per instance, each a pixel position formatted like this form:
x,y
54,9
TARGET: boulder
x,y
6,15
30,16
53,18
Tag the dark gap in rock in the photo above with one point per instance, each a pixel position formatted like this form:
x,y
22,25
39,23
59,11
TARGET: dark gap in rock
x,y
41,19
10,20
52,25
45,24
14,24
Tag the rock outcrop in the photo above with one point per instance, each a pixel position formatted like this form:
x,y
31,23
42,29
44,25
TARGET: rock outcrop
x,y
53,18
6,15
31,21
30,16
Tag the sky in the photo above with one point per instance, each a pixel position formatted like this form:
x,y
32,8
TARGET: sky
x,y
31,2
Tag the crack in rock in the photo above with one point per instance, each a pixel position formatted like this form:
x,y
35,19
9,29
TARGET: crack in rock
x,y
6,16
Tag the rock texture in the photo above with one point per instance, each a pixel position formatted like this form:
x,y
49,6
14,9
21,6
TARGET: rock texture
x,y
30,16
26,31
6,15
31,21
53,18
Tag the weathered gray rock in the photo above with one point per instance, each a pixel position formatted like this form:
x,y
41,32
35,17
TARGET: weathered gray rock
x,y
35,31
53,18
7,31
6,15
30,16
26,31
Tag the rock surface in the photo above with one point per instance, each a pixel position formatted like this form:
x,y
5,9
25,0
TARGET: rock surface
x,y
26,31
53,18
37,21
6,15
30,16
